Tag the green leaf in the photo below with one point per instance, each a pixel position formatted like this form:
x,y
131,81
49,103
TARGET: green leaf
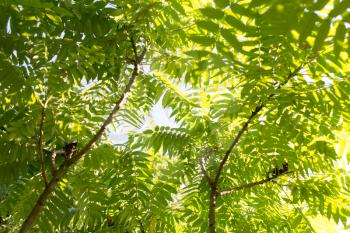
x,y
212,13
320,4
339,38
307,25
54,18
322,35
177,6
208,25
237,24
148,131
339,8
256,3
297,220
231,39
222,3
197,53
203,40
62,11
238,9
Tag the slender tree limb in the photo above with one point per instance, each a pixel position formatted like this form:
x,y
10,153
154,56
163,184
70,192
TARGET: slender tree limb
x,y
109,119
250,185
38,207
213,192
235,141
40,146
246,186
40,141
61,171
205,172
246,124
212,208
52,162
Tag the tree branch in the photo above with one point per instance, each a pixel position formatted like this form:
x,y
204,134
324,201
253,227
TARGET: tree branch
x,y
27,224
246,124
109,119
205,173
235,141
212,207
213,192
250,185
40,141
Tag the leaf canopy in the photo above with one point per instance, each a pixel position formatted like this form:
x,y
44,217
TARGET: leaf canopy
x,y
251,86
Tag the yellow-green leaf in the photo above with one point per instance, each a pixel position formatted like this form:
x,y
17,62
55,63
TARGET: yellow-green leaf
x,y
231,39
208,25
212,13
203,40
322,34
54,18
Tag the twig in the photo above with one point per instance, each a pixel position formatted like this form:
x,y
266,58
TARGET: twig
x,y
205,172
250,185
109,119
27,224
246,124
52,162
213,193
40,141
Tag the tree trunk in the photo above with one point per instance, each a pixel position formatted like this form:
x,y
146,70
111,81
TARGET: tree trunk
x,y
212,205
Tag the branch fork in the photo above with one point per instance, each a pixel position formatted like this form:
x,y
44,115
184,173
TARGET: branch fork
x,y
214,184
61,171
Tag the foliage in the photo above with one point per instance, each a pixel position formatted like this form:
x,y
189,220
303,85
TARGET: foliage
x,y
251,85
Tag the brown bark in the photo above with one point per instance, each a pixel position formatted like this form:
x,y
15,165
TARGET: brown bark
x,y
250,185
212,206
40,144
235,141
38,207
57,175
205,172
214,185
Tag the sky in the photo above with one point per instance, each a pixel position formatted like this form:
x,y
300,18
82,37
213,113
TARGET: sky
x,y
158,116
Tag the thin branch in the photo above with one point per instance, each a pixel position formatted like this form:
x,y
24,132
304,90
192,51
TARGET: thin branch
x,y
52,162
214,185
246,124
235,141
205,172
212,207
109,119
28,223
40,141
250,185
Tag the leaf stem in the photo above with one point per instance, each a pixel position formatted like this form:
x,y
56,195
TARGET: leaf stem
x,y
250,185
205,172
